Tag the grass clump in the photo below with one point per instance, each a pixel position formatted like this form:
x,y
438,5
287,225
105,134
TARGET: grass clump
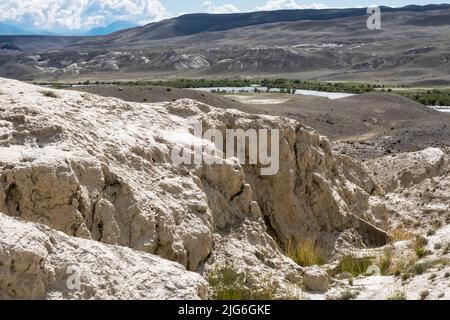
x,y
398,295
419,247
49,94
306,253
228,284
399,234
354,265
385,262
420,268
400,266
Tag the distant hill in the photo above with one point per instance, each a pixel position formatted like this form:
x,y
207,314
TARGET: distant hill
x,y
113,27
191,24
330,44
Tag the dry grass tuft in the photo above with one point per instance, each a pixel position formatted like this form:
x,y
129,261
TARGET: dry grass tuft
x,y
306,253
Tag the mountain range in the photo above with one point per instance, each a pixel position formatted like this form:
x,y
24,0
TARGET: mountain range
x,y
412,46
13,30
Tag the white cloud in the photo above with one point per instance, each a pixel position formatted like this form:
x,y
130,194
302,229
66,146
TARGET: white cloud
x,y
288,4
67,15
226,8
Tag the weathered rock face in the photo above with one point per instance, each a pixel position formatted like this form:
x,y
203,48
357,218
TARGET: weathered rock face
x,y
93,169
416,188
100,169
406,169
39,263
314,194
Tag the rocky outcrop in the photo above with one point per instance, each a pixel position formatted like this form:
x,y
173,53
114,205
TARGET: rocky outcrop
x,y
406,169
315,279
101,169
315,193
415,189
39,263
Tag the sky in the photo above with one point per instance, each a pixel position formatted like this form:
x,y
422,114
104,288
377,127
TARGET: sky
x,y
80,15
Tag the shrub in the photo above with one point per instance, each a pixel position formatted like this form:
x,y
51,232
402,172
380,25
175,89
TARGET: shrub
x,y
420,268
49,94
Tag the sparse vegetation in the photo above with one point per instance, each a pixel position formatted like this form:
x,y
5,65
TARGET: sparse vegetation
x,y
227,284
285,85
306,253
419,247
401,266
398,295
420,268
428,97
354,265
434,97
386,261
49,94
399,234
347,294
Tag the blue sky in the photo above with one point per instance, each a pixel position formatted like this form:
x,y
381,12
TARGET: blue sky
x,y
79,15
